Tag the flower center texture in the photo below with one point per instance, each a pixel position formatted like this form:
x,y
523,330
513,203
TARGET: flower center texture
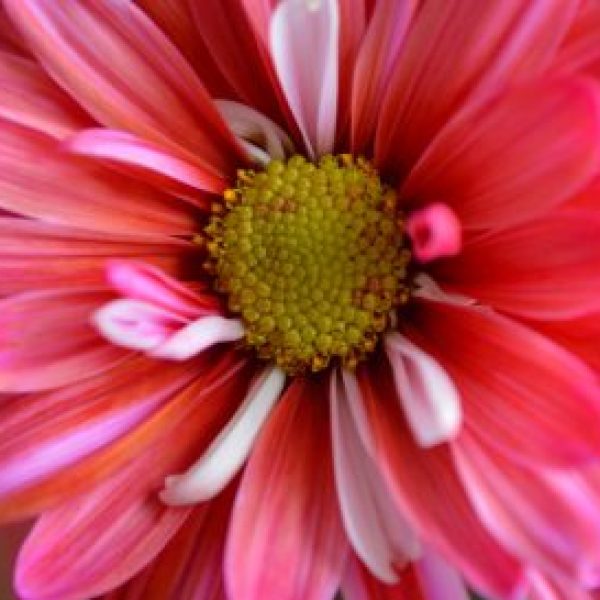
x,y
313,259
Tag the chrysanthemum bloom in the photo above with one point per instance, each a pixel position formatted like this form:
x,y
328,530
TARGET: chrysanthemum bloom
x,y
301,296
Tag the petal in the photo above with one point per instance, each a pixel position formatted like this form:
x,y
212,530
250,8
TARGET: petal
x,y
291,547
228,452
37,255
92,49
435,232
425,487
94,543
501,165
34,172
546,269
46,340
519,390
165,442
497,42
378,53
309,72
249,125
550,520
29,97
141,281
146,160
86,416
429,398
543,588
197,336
438,580
377,530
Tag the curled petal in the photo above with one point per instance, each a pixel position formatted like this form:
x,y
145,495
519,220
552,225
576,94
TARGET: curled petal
x,y
435,232
430,399
225,456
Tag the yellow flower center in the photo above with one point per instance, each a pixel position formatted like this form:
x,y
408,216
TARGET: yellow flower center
x,y
312,258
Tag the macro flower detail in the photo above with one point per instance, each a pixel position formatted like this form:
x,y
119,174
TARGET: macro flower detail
x,y
300,298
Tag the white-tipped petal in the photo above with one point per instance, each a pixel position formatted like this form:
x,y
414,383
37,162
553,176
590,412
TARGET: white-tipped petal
x,y
304,38
228,452
259,135
428,396
134,324
198,336
377,530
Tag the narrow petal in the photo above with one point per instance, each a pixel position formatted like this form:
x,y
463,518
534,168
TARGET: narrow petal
x,y
435,232
146,160
501,165
95,542
379,533
192,416
543,588
34,172
308,72
546,269
291,547
226,455
29,97
438,580
141,281
428,396
46,340
550,520
498,42
378,53
92,49
248,124
521,391
427,489
38,255
197,336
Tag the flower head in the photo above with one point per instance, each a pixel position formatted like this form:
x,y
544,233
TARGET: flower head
x,y
300,297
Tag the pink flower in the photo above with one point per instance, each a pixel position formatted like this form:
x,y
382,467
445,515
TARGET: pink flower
x,y
301,296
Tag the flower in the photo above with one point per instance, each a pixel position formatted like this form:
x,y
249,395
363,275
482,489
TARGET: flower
x,y
300,297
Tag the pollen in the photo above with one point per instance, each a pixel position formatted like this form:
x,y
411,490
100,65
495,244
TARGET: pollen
x,y
312,257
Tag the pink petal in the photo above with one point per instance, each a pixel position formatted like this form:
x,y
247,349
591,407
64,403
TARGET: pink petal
x,y
426,488
146,160
29,97
501,165
377,530
197,336
93,48
135,324
141,281
228,452
38,255
46,340
34,172
497,42
522,392
435,232
438,580
378,53
546,269
428,396
543,588
248,124
94,543
291,547
304,46
550,520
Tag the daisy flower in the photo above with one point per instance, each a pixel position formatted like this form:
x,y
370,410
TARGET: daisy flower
x,y
301,298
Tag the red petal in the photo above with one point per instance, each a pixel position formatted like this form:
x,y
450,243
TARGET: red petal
x,y
459,51
501,165
286,539
93,48
521,391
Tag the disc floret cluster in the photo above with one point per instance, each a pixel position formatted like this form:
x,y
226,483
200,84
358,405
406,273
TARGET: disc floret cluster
x,y
313,259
